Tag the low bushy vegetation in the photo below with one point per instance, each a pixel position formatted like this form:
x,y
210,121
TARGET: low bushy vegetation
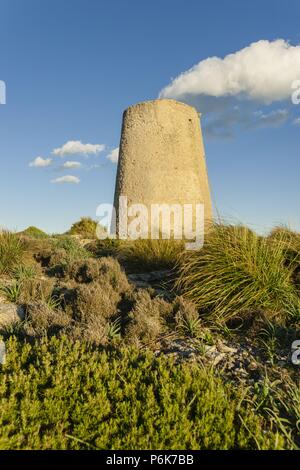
x,y
57,394
90,364
59,253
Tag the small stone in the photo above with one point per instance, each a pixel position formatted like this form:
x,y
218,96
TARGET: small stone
x,y
218,358
2,352
226,349
10,313
209,350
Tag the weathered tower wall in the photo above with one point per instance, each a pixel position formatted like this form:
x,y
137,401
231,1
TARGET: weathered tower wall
x,y
161,158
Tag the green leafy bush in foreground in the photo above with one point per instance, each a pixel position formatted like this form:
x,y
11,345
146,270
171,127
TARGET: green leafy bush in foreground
x,y
57,394
238,271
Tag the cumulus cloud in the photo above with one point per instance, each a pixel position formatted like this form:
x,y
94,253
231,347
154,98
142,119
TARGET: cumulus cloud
x,y
113,156
241,90
296,122
66,179
263,71
76,147
40,162
70,164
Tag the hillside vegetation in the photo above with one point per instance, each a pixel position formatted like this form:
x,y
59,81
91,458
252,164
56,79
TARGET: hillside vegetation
x,y
143,345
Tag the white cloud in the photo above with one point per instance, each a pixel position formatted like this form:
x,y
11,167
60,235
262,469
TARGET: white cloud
x,y
40,162
76,147
113,156
263,71
72,165
67,179
297,121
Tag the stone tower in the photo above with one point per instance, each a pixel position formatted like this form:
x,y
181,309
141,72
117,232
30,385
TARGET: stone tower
x,y
161,158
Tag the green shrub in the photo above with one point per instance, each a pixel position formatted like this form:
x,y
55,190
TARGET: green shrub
x,y
85,227
34,232
238,271
57,394
11,251
146,255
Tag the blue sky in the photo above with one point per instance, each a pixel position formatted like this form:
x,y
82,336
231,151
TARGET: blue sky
x,y
72,66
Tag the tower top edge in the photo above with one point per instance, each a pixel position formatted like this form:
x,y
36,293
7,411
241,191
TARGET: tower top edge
x,y
162,102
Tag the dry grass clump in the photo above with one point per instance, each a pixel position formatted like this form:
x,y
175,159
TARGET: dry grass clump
x,y
106,247
144,255
287,236
84,271
186,317
41,320
238,271
103,270
94,331
89,298
11,251
146,319
58,254
35,289
291,244
95,300
33,247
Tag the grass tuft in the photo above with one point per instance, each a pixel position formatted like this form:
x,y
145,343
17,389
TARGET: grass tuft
x,y
11,251
148,255
237,272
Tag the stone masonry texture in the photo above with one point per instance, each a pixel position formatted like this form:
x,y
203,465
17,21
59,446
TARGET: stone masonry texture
x,y
161,158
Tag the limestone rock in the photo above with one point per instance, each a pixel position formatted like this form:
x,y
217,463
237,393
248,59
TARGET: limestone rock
x,y
2,352
10,313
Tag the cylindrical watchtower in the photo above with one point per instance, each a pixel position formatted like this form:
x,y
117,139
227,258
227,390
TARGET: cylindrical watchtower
x,y
161,158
